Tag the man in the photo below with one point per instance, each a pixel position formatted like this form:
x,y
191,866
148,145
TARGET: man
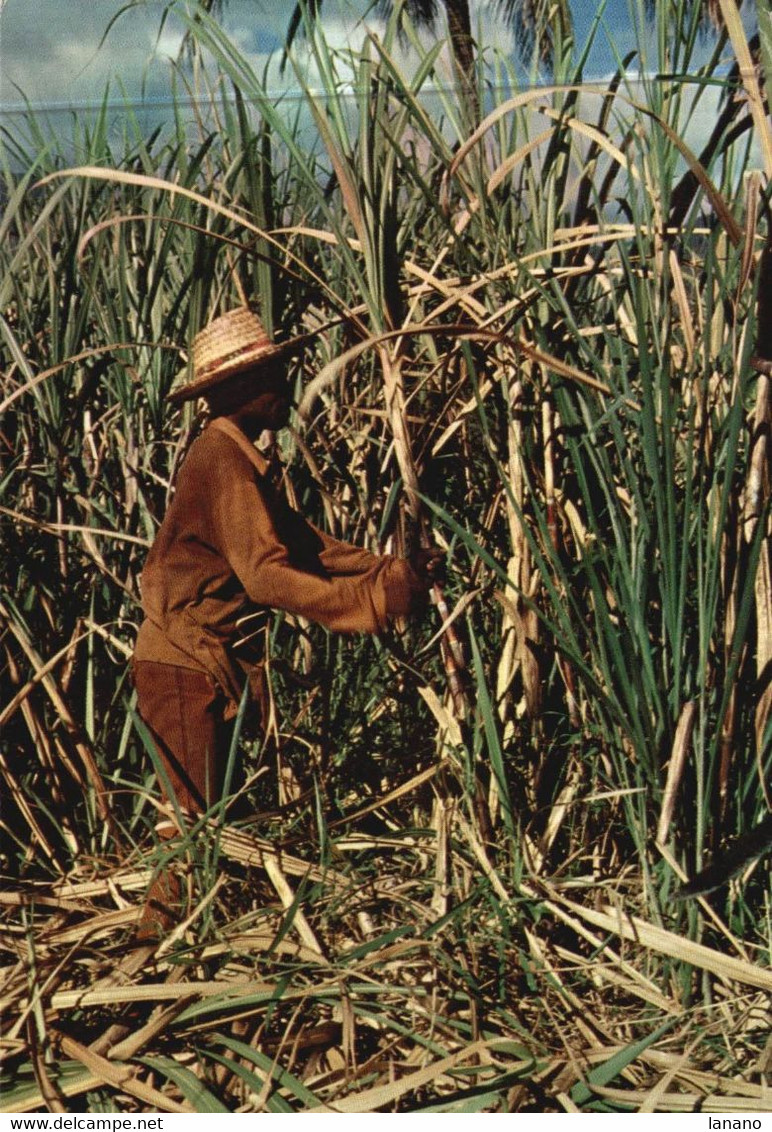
x,y
230,545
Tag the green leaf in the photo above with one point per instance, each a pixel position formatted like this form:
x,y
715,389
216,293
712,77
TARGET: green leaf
x,y
282,1077
607,1072
193,1090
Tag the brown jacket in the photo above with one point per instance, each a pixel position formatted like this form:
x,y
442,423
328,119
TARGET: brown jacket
x,y
230,545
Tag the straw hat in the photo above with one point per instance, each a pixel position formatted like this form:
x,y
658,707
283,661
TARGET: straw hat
x,y
233,343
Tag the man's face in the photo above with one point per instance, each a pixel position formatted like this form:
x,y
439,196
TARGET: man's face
x,y
256,400
269,408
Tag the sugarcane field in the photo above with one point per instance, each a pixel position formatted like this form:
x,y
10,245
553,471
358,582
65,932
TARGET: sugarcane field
x,y
386,601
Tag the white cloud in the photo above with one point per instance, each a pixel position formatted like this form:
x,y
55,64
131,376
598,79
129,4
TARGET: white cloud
x,y
53,51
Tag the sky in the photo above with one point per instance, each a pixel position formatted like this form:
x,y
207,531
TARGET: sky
x,y
61,55
51,51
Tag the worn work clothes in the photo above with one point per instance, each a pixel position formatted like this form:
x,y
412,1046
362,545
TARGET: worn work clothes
x,y
230,545
183,711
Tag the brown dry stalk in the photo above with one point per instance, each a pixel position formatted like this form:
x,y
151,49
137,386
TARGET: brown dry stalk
x,y
371,1100
15,702
119,1076
287,897
49,1090
751,79
231,992
520,626
442,819
68,720
675,770
725,967
758,496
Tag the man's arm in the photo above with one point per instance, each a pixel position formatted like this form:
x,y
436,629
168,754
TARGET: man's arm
x,y
342,587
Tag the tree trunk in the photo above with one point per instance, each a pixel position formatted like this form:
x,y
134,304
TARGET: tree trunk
x,y
464,53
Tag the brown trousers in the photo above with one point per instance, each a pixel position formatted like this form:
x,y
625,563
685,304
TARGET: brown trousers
x,y
183,710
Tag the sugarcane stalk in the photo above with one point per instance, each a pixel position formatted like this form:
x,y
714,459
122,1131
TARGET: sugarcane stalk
x,y
450,646
452,653
758,496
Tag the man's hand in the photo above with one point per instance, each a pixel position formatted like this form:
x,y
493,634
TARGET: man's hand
x,y
429,564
